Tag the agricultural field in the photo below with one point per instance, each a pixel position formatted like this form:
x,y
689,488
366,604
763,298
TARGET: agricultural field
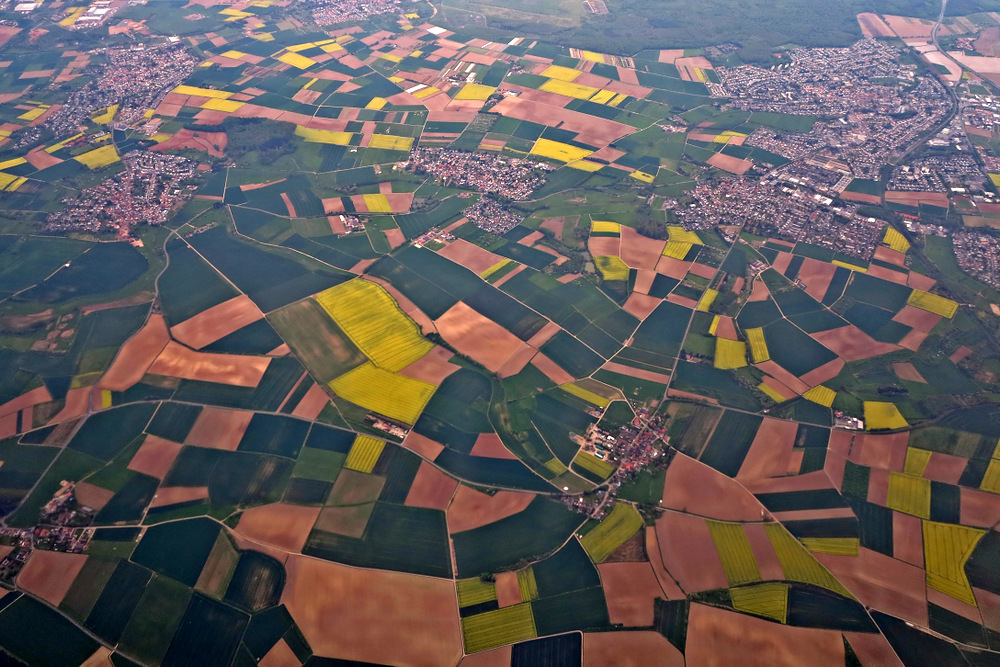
x,y
442,342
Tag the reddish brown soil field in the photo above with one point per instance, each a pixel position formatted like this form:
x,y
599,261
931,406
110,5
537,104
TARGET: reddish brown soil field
x,y
781,262
907,539
852,344
920,281
373,615
887,254
638,251
172,495
280,654
873,649
882,582
25,400
860,197
603,246
644,281
219,428
967,611
218,321
905,26
213,143
673,268
510,275
348,521
641,305
508,591
677,393
703,270
39,159
395,236
916,318
729,163
961,353
893,276
979,508
667,582
422,446
880,451
873,26
631,589
615,367
783,376
689,553
878,486
695,487
516,363
279,525
945,468
770,449
682,301
544,334
630,649
312,403
490,446
759,292
137,355
907,371
551,370
760,544
719,637
606,131
827,371
498,657
49,574
92,496
431,488
478,337
472,509
913,340
407,306
433,367
155,456
908,198
181,362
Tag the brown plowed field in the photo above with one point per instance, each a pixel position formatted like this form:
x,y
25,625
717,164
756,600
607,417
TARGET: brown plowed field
x,y
731,164
893,276
640,305
644,281
873,26
873,649
508,590
471,509
783,391
137,355
638,251
373,615
172,495
945,468
884,583
689,553
908,198
920,281
422,446
28,399
913,340
219,428
280,655
49,574
827,371
672,267
783,376
218,321
961,353
550,369
979,508
155,456
181,362
517,362
476,336
433,367
213,143
763,551
852,344
490,446
880,451
630,649
604,246
770,449
631,589
887,254
431,488
703,270
907,371
606,131
348,521
719,637
279,525
907,539
498,657
695,487
667,582
918,319
544,334
312,403
92,496
758,292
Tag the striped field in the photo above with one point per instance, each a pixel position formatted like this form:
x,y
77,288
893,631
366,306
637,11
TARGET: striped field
x,y
364,453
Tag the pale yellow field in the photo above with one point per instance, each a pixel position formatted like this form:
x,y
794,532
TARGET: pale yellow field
x,y
946,548
932,303
585,394
730,353
561,73
677,249
364,453
377,204
837,546
758,346
735,553
295,60
879,414
558,150
707,299
202,92
621,524
895,240
821,395
324,136
798,564
602,226
612,267
215,104
591,463
909,494
769,600
390,142
569,89
643,176
99,157
474,91
395,396
681,235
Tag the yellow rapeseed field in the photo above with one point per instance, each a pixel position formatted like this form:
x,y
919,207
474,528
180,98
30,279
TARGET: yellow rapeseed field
x,y
643,176
735,553
569,89
390,394
946,548
99,157
895,240
377,203
932,303
909,494
376,103
474,91
591,463
770,393
216,104
558,150
585,394
681,235
364,453
596,226
612,267
836,546
561,73
324,136
798,564
374,322
498,627
475,591
527,584
880,414
916,461
769,600
677,249
730,354
619,525
706,300
296,60
390,142
822,395
758,346
202,92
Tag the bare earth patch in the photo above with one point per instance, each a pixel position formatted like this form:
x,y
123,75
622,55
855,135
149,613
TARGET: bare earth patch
x,y
907,371
490,445
137,355
471,509
216,322
219,428
630,649
92,496
689,553
49,574
279,525
770,449
181,362
155,456
478,337
431,488
697,488
631,589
